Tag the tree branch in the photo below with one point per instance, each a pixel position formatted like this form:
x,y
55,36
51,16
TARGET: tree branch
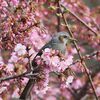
x,y
72,13
58,17
14,76
88,56
78,50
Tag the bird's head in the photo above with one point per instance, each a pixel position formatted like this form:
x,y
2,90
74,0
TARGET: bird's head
x,y
64,37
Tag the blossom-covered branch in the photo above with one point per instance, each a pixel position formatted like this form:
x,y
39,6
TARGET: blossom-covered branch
x,y
27,74
31,23
14,76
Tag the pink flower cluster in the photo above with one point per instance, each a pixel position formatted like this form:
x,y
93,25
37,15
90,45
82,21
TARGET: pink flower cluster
x,y
15,65
56,63
51,61
19,28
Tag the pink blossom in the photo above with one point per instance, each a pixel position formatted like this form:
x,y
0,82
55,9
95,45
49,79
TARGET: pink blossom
x,y
51,98
55,90
38,60
46,82
36,40
46,37
5,83
1,61
4,3
15,93
1,98
2,89
47,51
55,61
67,94
32,53
17,15
10,67
98,90
62,66
69,59
69,80
20,49
25,60
42,91
46,56
47,59
77,84
15,2
37,13
74,51
25,80
13,58
65,63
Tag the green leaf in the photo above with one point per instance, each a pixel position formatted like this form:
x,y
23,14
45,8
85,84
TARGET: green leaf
x,y
52,7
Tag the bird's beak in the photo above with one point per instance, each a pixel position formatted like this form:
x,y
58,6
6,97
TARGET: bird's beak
x,y
72,39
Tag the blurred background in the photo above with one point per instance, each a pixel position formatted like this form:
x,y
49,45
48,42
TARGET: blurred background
x,y
92,3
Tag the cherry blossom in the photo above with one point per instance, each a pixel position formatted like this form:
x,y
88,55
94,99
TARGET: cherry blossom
x,y
13,58
1,61
10,67
77,84
98,91
15,93
3,89
31,23
15,2
69,80
20,49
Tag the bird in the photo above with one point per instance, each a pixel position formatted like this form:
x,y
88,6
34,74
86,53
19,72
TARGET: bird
x,y
58,42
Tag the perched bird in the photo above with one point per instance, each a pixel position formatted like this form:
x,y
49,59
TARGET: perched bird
x,y
58,42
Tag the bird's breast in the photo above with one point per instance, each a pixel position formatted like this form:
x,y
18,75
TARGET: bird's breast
x,y
61,47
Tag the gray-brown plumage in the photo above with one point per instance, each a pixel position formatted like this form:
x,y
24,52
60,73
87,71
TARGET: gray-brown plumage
x,y
58,42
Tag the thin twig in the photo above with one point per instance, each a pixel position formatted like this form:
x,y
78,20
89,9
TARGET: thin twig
x,y
14,76
8,3
84,23
78,50
96,24
83,90
85,57
28,28
58,18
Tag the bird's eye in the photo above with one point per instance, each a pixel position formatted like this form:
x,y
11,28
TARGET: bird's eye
x,y
65,36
